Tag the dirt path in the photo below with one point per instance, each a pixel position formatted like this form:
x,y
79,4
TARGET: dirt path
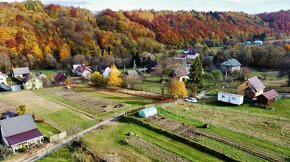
x,y
43,152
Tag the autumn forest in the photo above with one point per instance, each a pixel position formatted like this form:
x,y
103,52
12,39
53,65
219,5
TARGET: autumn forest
x,y
53,36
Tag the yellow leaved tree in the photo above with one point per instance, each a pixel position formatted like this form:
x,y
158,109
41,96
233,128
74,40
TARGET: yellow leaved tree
x,y
114,77
177,89
64,52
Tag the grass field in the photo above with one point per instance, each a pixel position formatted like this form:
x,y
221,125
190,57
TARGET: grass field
x,y
62,155
268,134
57,115
112,146
46,129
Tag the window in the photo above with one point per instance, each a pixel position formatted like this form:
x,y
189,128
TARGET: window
x,y
223,96
233,98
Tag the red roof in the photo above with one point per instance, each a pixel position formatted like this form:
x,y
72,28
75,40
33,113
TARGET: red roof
x,y
60,77
22,137
270,94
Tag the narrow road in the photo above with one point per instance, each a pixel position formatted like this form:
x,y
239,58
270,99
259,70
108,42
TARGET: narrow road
x,y
69,139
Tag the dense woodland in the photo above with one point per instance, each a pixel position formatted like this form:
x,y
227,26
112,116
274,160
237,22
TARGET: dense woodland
x,y
54,36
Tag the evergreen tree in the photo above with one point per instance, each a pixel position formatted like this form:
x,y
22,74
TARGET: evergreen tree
x,y
195,75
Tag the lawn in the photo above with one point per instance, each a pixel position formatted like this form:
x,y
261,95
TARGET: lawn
x,y
46,129
48,72
109,142
62,155
263,133
57,115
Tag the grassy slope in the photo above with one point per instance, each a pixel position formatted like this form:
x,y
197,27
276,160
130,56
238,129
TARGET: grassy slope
x,y
256,142
114,142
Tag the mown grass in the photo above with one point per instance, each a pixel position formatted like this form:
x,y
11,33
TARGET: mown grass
x,y
64,154
69,120
115,135
246,140
46,129
281,108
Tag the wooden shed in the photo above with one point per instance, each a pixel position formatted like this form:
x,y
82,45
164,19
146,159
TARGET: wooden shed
x,y
267,98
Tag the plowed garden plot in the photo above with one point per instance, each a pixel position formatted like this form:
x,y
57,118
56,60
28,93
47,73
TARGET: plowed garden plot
x,y
115,95
153,149
81,101
192,133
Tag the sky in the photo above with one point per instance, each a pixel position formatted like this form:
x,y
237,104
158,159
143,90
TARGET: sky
x,y
248,6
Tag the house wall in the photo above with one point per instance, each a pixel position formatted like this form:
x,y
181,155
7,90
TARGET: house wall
x,y
242,87
3,79
3,137
236,68
86,74
32,84
183,78
259,93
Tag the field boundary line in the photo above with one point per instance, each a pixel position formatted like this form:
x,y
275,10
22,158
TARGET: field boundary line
x,y
68,106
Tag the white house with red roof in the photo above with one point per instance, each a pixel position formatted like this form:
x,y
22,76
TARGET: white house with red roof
x,y
20,130
82,70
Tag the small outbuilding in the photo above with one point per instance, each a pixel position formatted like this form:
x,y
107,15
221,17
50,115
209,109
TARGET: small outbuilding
x,y
8,114
60,78
230,98
145,113
20,72
267,98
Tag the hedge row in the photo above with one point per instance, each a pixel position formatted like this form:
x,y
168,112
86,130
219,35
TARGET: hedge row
x,y
179,138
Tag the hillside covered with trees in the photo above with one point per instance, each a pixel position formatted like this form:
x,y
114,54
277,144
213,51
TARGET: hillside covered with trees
x,y
54,36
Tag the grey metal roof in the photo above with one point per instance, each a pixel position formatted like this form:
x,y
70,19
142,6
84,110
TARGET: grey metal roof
x,y
256,83
21,71
17,125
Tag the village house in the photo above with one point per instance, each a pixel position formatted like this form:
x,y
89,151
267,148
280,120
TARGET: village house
x,y
230,98
20,130
82,70
7,115
267,98
188,54
3,78
106,72
32,83
60,79
4,87
251,88
181,73
231,65
132,73
20,72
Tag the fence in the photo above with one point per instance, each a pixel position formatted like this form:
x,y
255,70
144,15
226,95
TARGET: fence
x,y
57,137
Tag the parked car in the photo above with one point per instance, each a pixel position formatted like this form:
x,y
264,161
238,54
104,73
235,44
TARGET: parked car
x,y
190,99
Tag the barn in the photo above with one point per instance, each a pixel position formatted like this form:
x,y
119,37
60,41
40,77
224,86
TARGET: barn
x,y
267,98
145,113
